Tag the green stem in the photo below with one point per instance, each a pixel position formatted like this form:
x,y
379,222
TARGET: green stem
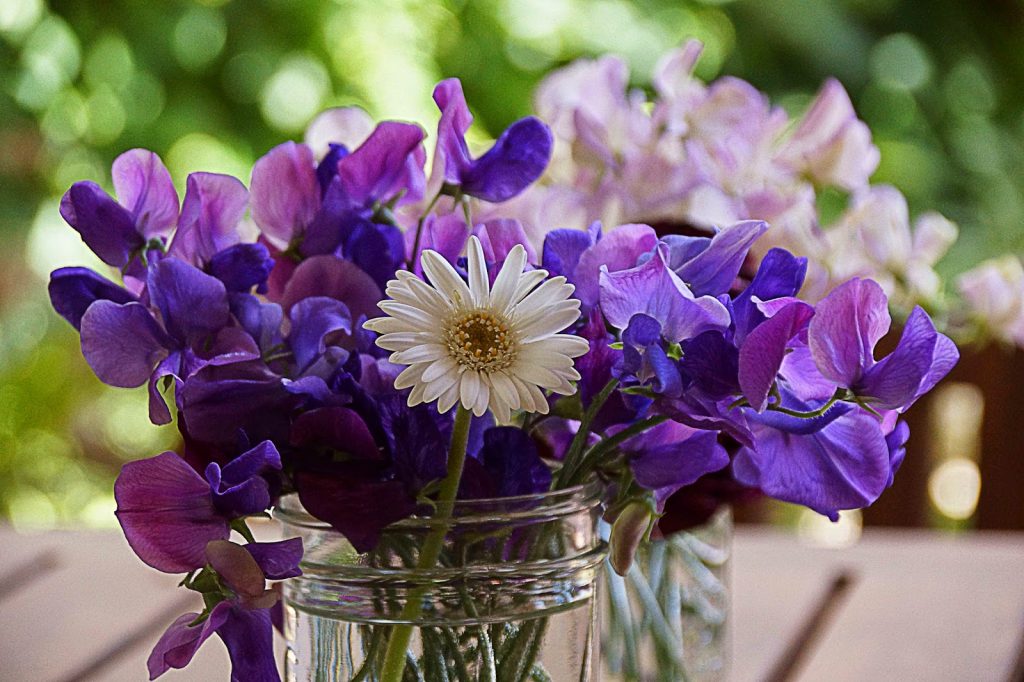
x,y
401,635
607,445
419,231
569,464
812,413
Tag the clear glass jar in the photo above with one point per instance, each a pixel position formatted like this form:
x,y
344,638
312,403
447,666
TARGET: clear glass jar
x,y
666,620
511,599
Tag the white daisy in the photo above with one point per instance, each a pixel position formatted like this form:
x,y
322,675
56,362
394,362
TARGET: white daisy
x,y
488,348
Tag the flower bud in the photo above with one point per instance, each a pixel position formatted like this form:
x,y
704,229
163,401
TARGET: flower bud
x,y
628,531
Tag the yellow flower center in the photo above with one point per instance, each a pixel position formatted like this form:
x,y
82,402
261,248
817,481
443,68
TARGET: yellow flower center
x,y
479,340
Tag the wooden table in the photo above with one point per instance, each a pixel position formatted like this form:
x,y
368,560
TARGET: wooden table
x,y
900,606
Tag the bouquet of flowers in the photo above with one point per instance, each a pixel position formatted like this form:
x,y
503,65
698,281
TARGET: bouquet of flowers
x,y
387,344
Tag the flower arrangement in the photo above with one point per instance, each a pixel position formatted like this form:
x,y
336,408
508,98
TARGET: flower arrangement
x,y
386,342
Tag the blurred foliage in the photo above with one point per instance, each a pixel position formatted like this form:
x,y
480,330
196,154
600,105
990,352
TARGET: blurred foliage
x,y
212,84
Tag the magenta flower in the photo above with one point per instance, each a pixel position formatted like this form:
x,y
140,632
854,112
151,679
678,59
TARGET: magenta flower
x,y
516,160
241,611
168,512
145,212
842,337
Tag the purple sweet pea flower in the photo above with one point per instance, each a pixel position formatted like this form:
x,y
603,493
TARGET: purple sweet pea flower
x,y
848,324
656,291
516,160
507,464
242,619
331,208
780,275
644,361
710,265
710,365
73,290
125,345
357,493
838,461
672,455
619,249
316,320
208,233
148,208
168,512
765,348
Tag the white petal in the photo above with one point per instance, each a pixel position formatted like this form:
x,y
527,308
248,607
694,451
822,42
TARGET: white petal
x,y
527,282
503,389
439,368
469,386
414,317
501,410
410,376
424,291
416,395
563,344
443,276
508,277
552,291
540,403
435,304
448,398
482,399
535,374
402,340
547,325
525,395
541,357
437,387
478,281
423,353
389,325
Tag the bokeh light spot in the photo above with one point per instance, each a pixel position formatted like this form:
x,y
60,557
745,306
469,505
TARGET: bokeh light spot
x,y
199,36
17,16
202,152
900,61
954,487
818,530
109,62
294,94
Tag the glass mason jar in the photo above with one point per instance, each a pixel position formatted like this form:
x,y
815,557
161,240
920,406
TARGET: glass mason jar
x,y
666,620
511,598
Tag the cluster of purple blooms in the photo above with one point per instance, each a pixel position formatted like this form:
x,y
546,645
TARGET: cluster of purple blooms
x,y
709,154
278,388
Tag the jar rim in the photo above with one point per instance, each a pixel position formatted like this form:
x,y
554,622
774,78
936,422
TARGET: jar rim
x,y
550,503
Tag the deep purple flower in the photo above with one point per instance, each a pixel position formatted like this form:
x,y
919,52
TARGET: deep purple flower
x,y
148,208
241,617
125,345
518,157
331,208
169,512
672,455
842,337
644,361
765,348
839,460
654,290
507,464
709,265
73,290
780,275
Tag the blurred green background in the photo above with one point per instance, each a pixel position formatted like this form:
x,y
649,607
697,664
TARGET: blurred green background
x,y
211,85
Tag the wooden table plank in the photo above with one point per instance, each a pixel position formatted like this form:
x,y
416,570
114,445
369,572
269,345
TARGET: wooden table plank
x,y
928,607
97,599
